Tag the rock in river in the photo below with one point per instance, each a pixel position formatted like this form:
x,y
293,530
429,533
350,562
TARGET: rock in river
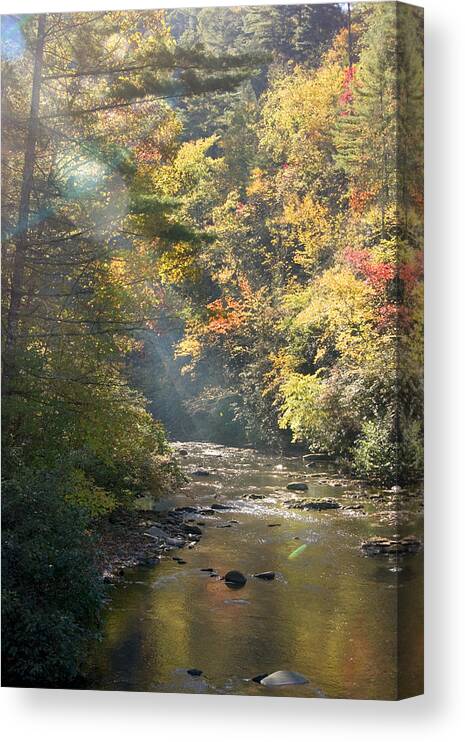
x,y
234,578
159,535
189,528
317,504
195,672
201,473
186,509
387,546
265,575
283,677
297,486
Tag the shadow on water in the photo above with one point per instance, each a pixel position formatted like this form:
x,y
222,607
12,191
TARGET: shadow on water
x,y
330,614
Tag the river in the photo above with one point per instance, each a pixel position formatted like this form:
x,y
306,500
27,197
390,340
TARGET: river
x,y
330,614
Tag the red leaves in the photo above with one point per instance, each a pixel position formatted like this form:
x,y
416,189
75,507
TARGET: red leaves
x,y
346,97
411,273
375,274
379,275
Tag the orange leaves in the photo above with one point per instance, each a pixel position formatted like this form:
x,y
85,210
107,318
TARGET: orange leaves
x,y
226,316
360,199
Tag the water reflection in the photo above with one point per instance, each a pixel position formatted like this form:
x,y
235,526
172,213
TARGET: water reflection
x,y
330,614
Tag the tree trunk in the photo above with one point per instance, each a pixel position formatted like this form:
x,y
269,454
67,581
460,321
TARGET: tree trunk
x,y
17,277
349,36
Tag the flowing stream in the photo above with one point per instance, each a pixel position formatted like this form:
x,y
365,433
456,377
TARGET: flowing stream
x,y
331,613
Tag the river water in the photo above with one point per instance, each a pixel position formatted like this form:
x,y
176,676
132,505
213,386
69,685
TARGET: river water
x,y
331,614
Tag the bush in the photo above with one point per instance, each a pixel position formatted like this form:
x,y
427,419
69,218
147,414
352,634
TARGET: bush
x,y
51,593
375,453
378,456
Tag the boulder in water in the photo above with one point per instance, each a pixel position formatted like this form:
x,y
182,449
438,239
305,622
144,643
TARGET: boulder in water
x,y
186,509
234,578
175,542
283,677
317,504
195,672
183,452
387,546
191,529
297,486
159,535
155,532
201,473
265,575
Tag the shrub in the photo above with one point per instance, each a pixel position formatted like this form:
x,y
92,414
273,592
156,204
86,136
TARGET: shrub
x,y
378,456
50,590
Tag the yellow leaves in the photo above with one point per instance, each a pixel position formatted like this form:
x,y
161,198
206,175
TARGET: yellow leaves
x,y
303,408
189,347
312,226
190,166
117,272
178,264
299,113
340,306
259,185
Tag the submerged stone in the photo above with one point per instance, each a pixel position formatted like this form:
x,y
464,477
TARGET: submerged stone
x,y
265,575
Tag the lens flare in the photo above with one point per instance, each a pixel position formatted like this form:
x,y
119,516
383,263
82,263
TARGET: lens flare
x,y
13,43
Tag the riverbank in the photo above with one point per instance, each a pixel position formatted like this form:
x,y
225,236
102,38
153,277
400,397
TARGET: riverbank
x,y
141,538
